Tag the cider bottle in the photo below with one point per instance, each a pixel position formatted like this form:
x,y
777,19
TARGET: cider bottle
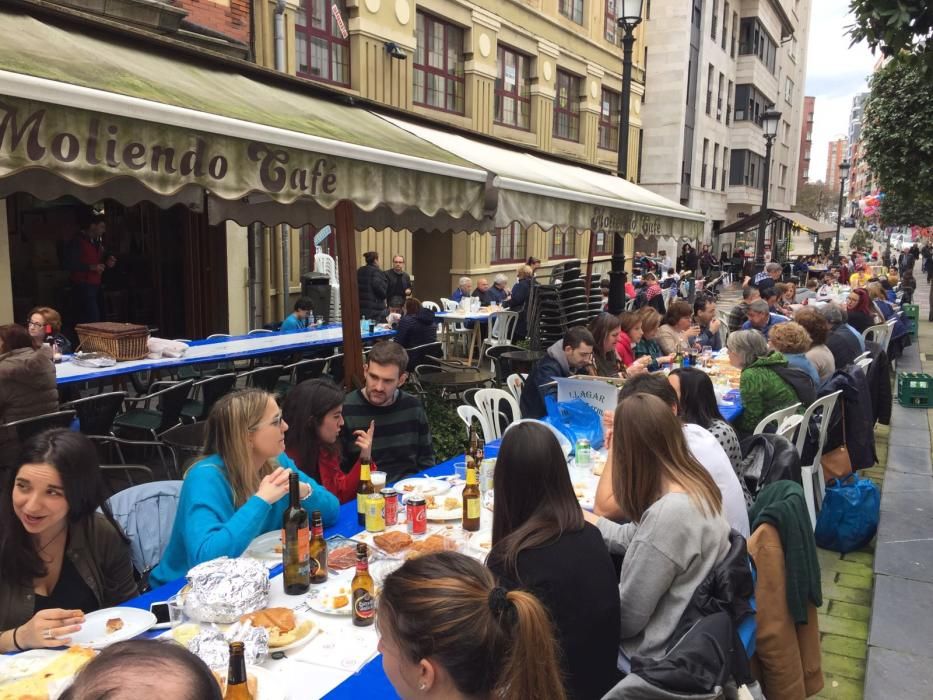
x,y
237,686
317,549
471,497
363,589
295,542
362,493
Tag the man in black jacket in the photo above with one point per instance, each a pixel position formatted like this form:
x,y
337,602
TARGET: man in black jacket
x,y
399,283
842,341
565,357
373,285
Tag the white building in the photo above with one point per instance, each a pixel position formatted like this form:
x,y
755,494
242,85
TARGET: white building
x,y
713,66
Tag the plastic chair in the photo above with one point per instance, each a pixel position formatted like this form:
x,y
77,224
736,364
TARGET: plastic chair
x,y
468,414
814,471
515,384
211,389
264,378
96,413
146,513
863,363
434,306
880,334
776,417
260,331
155,420
489,402
503,328
789,427
27,427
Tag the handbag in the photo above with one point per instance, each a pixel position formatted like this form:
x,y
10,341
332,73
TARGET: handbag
x,y
836,463
849,516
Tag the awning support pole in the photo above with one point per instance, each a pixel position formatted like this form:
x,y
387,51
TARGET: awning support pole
x,y
286,263
345,238
589,263
617,275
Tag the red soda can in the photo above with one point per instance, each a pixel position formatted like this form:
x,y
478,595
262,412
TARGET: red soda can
x,y
417,512
391,496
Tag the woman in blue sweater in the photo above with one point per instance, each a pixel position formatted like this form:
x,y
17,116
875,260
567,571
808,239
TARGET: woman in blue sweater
x,y
239,490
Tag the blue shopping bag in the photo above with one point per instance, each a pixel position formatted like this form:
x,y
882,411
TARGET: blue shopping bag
x,y
575,419
849,516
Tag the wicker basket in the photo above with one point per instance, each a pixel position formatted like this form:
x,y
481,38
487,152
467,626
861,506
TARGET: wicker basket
x,y
125,341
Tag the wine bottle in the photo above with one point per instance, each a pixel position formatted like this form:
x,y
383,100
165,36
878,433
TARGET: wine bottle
x,y
296,555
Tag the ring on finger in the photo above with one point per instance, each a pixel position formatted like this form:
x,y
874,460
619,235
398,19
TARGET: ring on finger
x,y
48,633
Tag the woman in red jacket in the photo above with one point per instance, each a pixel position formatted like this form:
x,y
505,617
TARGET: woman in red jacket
x,y
314,413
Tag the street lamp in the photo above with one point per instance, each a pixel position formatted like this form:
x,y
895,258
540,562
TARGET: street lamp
x,y
769,124
629,18
843,175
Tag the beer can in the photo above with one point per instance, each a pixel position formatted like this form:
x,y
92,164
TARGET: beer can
x,y
375,513
582,452
391,507
417,513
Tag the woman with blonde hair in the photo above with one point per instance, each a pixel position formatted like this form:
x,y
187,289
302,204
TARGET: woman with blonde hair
x,y
44,321
793,343
446,630
677,534
239,489
648,345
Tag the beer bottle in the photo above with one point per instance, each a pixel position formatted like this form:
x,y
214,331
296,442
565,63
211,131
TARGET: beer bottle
x,y
237,687
471,496
364,591
678,359
295,536
317,549
362,493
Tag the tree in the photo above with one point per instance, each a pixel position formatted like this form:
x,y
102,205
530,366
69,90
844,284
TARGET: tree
x,y
860,240
897,136
815,199
895,27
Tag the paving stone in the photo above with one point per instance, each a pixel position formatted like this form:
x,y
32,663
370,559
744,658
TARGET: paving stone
x,y
919,503
840,688
907,559
844,666
905,481
850,611
896,526
910,418
893,675
844,646
905,458
861,582
855,629
902,618
841,566
859,596
861,557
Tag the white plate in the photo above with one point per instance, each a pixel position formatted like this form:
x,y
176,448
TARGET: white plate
x,y
423,485
21,665
299,619
93,632
269,686
263,547
319,598
481,542
441,513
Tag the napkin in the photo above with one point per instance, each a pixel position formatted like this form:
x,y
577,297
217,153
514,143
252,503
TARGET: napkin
x,y
346,649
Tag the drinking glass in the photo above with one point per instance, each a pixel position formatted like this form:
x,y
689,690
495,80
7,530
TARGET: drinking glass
x,y
378,480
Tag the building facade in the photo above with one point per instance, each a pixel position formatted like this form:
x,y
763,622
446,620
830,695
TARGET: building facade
x,y
715,66
806,141
836,152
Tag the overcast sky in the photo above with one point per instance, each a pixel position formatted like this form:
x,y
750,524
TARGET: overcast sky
x,y
835,73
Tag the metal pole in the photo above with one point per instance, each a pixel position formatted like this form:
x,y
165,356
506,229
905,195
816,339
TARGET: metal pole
x,y
842,184
763,222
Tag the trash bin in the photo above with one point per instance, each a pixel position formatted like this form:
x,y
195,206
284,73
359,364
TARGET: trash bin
x,y
316,286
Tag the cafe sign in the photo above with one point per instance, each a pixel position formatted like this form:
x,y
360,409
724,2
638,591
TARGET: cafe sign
x,y
616,221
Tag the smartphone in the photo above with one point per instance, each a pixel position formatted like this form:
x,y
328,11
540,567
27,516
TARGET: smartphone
x,y
163,619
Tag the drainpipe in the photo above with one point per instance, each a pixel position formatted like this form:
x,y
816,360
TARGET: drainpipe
x,y
280,66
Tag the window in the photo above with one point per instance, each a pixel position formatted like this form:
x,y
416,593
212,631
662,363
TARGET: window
x,y
714,180
722,81
611,29
749,103
609,115
563,243
438,65
725,160
572,9
321,50
703,169
783,172
792,51
507,244
697,13
567,107
755,41
603,244
725,25
735,29
709,89
788,90
513,100
729,103
746,169
714,23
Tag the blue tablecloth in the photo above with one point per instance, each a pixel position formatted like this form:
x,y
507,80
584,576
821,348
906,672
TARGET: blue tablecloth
x,y
733,409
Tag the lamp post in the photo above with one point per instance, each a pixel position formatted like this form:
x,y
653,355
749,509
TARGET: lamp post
x,y
843,175
769,124
629,19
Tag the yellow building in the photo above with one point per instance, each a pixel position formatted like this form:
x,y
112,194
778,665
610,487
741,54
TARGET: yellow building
x,y
542,75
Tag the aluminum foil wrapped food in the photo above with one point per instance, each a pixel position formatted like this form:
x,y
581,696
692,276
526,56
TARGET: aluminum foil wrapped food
x,y
221,590
212,645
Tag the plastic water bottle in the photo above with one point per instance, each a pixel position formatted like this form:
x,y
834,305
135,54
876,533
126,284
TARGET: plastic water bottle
x,y
364,325
311,321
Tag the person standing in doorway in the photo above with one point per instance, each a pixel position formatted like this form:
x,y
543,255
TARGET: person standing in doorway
x,y
86,261
399,284
373,285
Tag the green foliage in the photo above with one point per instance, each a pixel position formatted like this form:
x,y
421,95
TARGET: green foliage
x,y
448,432
860,239
898,142
826,245
815,199
895,27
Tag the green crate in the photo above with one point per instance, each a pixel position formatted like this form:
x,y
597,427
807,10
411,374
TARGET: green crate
x,y
915,389
912,314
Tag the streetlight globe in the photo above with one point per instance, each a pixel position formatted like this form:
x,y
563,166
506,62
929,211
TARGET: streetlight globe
x,y
769,122
631,12
844,169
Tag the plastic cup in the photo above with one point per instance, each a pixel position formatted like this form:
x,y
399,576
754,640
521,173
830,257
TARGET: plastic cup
x,y
378,480
460,470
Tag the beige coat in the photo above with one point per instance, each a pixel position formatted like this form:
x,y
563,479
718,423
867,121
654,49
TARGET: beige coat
x,y
27,389
671,340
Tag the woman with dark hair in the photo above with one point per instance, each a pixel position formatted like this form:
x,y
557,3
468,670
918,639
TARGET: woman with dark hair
x,y
696,401
860,310
59,558
648,345
629,335
446,630
314,413
538,522
677,532
417,326
605,329
677,330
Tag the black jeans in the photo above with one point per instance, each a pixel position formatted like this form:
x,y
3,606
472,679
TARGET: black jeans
x,y
86,302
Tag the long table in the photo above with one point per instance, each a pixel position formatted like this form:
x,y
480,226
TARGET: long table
x,y
220,349
478,318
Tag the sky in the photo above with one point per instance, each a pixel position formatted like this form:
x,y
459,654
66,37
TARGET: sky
x,y
835,74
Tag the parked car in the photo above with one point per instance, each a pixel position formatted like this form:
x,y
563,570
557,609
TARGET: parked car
x,y
849,222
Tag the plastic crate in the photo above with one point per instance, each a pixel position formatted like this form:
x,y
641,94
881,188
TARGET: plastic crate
x,y
915,389
912,314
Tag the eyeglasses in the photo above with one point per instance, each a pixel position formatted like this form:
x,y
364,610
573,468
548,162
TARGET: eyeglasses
x,y
33,324
275,423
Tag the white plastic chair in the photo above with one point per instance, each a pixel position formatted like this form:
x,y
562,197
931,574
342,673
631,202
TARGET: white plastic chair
x,y
789,427
433,305
454,331
880,334
776,417
863,363
489,401
468,414
503,328
515,384
814,471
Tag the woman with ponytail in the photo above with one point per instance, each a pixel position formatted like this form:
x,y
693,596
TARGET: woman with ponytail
x,y
448,631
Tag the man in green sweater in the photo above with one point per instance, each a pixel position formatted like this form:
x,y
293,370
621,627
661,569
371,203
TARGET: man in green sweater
x,y
402,438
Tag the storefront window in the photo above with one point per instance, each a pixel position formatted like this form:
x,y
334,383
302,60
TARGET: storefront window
x,y
322,50
507,244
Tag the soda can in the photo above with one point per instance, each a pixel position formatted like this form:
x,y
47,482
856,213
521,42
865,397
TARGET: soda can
x,y
582,452
391,508
375,513
417,513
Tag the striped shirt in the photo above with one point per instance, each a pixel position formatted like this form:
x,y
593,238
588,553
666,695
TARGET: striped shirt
x,y
401,440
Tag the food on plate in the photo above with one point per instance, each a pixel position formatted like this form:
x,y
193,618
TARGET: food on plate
x,y
341,558
339,601
36,685
408,488
185,633
451,503
114,624
598,467
252,685
281,624
430,503
393,541
429,545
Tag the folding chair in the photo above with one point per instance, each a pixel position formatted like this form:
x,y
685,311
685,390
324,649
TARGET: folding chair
x,y
811,475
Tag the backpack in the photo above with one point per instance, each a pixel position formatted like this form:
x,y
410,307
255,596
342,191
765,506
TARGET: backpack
x,y
800,382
